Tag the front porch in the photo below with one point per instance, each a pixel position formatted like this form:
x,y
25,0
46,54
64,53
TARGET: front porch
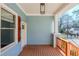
x,y
40,50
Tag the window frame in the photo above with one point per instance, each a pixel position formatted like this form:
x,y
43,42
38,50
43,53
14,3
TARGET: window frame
x,y
4,49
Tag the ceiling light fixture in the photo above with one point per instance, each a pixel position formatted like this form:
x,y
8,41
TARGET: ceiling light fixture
x,y
42,8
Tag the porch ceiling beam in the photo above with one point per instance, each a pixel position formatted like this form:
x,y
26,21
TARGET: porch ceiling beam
x,y
60,8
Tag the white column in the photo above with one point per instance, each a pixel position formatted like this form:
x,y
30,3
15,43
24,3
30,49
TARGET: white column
x,y
55,29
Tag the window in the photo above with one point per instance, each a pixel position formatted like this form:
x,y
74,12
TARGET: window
x,y
7,28
69,23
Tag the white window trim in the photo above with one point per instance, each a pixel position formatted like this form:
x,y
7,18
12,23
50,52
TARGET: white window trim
x,y
4,49
0,27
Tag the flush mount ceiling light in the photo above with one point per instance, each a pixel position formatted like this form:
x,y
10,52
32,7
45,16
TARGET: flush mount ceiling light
x,y
42,8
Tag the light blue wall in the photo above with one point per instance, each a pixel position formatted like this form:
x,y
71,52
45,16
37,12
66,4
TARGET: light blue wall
x,y
17,10
14,51
17,48
39,29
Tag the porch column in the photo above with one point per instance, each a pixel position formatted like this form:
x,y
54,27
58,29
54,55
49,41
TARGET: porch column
x,y
55,30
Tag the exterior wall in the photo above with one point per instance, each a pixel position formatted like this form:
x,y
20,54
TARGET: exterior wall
x,y
16,49
20,13
39,29
13,51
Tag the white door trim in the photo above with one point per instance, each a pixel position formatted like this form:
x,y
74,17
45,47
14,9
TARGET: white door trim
x,y
23,34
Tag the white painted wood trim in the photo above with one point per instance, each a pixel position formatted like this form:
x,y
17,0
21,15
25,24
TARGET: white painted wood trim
x,y
56,18
23,37
39,14
8,9
32,14
66,8
0,31
4,49
8,28
21,8
0,15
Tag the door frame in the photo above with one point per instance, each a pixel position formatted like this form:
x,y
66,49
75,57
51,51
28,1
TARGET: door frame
x,y
23,37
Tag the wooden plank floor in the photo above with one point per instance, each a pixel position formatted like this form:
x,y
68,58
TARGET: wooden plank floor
x,y
40,50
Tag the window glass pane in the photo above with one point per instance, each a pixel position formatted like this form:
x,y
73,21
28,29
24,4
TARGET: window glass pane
x,y
7,37
5,24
